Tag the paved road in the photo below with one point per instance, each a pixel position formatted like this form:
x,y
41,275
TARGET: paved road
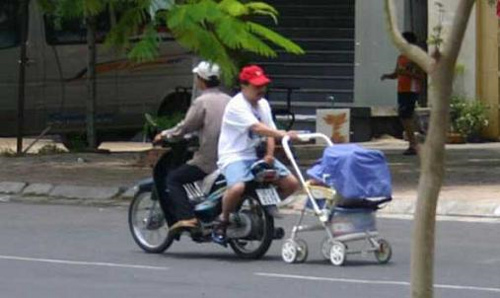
x,y
70,251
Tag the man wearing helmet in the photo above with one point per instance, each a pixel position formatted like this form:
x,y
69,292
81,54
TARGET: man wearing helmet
x,y
204,117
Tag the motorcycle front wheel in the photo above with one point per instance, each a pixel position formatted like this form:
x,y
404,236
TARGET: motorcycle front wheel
x,y
258,244
147,223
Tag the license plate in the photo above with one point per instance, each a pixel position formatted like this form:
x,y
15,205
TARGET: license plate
x,y
268,196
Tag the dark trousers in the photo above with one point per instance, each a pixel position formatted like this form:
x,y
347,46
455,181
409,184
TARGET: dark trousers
x,y
177,196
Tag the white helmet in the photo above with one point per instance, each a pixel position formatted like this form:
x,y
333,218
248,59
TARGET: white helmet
x,y
205,70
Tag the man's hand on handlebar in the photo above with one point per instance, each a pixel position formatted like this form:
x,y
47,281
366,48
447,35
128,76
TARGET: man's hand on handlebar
x,y
294,135
269,159
158,140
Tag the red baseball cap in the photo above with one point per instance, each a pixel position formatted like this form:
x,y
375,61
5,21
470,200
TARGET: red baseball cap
x,y
254,75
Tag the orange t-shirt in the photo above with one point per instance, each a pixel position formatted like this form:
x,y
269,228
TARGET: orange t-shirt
x,y
407,83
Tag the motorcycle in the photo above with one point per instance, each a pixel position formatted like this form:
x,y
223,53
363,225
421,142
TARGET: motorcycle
x,y
251,229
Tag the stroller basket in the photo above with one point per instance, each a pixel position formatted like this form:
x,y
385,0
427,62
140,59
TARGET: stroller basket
x,y
347,221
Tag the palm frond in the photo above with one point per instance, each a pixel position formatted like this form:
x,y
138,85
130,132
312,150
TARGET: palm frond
x,y
275,38
230,31
262,6
235,35
234,8
128,26
147,49
92,7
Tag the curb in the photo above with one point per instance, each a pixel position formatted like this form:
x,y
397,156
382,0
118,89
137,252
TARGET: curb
x,y
22,191
118,196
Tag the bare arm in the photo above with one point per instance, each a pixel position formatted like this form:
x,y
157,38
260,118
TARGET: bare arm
x,y
271,145
391,76
263,130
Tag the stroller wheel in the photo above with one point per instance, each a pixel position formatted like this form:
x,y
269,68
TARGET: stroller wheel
x,y
302,251
384,252
326,245
337,253
289,251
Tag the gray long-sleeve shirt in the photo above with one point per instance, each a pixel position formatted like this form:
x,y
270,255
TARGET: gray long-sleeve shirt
x,y
205,117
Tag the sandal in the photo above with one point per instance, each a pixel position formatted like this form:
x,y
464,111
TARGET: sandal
x,y
183,225
219,232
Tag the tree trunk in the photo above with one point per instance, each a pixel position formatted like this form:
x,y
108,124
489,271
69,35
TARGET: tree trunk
x,y
24,7
433,157
440,68
91,83
431,178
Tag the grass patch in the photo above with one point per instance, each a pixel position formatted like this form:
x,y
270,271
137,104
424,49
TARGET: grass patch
x,y
50,149
7,152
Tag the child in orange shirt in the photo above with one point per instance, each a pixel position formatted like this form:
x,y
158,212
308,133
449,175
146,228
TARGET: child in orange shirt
x,y
410,78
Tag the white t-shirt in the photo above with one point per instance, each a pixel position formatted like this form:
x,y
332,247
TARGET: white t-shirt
x,y
237,142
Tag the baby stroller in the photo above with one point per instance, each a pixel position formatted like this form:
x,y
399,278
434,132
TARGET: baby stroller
x,y
349,183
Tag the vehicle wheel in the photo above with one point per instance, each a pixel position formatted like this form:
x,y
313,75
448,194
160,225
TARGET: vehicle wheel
x,y
302,250
326,246
384,252
147,223
257,245
337,253
289,251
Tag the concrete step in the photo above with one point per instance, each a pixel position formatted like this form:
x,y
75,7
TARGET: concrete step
x,y
308,21
314,82
312,2
325,44
318,32
315,57
310,95
332,9
308,69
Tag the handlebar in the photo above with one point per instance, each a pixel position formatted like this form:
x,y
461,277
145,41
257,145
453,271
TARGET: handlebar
x,y
285,142
305,137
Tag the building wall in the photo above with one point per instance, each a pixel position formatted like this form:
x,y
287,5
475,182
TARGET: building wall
x,y
465,80
374,55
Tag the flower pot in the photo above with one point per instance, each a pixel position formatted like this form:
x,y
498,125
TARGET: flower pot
x,y
455,138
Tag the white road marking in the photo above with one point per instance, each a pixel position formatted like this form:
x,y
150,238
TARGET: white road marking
x,y
375,282
81,263
475,219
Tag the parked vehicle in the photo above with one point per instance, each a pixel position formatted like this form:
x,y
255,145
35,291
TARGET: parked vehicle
x,y
56,88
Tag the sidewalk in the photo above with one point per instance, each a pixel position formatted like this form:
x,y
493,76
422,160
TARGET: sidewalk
x,y
471,186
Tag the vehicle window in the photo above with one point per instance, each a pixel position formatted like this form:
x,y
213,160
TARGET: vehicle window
x,y
71,31
9,24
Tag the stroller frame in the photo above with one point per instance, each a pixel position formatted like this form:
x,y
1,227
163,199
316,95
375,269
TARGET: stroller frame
x,y
333,248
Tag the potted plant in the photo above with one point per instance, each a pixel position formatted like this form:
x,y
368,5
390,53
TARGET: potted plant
x,y
468,118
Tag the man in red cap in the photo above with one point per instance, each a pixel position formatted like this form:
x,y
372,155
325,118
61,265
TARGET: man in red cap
x,y
246,122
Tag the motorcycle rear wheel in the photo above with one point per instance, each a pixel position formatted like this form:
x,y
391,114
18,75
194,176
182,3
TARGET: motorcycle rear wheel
x,y
147,223
264,228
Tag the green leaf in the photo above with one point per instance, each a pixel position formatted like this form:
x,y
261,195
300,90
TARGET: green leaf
x,y
262,6
147,49
234,8
275,38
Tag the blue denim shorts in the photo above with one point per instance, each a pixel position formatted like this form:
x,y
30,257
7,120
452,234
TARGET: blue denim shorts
x,y
239,171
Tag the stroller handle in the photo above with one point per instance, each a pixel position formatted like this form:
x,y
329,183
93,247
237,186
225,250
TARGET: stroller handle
x,y
285,142
304,137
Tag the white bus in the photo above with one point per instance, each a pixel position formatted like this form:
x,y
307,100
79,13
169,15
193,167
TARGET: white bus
x,y
56,79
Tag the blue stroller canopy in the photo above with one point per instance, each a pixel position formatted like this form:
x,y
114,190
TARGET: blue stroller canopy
x,y
354,172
